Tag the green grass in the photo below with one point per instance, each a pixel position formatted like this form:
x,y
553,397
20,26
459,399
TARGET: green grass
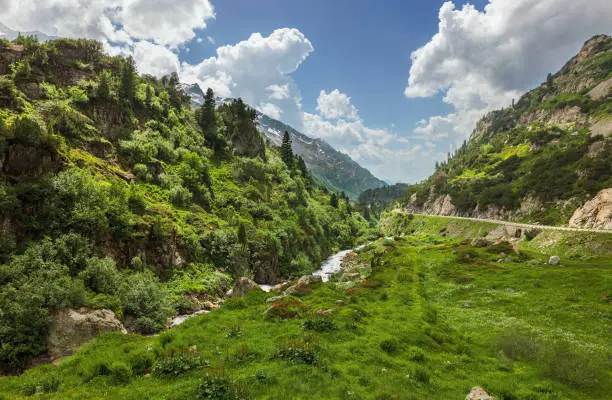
x,y
428,323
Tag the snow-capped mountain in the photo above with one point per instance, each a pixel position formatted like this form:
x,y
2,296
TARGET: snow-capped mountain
x,y
10,34
334,169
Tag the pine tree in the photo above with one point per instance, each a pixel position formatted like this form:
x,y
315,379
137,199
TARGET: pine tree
x,y
150,93
333,200
174,91
242,236
286,150
208,119
366,213
302,167
104,86
128,81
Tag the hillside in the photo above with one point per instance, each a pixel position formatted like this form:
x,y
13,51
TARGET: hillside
x,y
115,195
540,160
336,170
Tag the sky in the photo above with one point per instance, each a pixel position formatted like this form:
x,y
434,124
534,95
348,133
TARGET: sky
x,y
395,84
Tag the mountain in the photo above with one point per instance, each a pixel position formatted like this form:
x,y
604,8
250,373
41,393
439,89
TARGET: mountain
x,y
334,169
9,34
118,207
544,160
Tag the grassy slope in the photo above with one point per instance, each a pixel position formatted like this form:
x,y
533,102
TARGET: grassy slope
x,y
425,325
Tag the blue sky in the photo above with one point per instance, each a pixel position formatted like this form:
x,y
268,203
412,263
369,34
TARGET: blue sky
x,y
394,84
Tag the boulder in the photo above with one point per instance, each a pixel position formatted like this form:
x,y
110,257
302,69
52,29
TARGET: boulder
x,y
274,299
481,242
595,213
479,393
242,287
554,260
302,285
71,328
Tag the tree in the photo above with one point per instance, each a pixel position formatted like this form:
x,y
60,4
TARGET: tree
x,y
286,150
302,167
333,200
242,236
208,120
104,86
128,81
149,94
176,98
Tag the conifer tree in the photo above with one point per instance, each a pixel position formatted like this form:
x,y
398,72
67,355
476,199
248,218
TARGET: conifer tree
x,y
128,81
286,150
208,120
242,236
333,200
302,167
104,86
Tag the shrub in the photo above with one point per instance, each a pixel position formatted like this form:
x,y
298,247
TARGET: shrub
x,y
416,354
320,323
217,385
299,351
180,196
120,372
574,367
519,344
101,275
389,346
286,309
178,362
421,375
144,298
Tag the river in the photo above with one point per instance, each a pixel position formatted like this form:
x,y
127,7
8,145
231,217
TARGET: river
x,y
327,269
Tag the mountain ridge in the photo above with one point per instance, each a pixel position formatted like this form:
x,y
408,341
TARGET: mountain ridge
x,y
335,169
539,160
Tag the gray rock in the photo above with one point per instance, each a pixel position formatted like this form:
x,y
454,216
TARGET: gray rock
x,y
554,260
479,393
71,328
467,304
340,302
275,298
242,287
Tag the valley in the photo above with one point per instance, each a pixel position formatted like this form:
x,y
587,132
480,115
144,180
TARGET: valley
x,y
157,242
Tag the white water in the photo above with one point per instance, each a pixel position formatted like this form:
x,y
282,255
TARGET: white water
x,y
328,268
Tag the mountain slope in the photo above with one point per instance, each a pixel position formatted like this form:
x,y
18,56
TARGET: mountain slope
x,y
539,160
334,169
10,34
115,195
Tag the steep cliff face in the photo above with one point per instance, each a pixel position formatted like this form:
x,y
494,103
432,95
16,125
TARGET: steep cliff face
x,y
539,160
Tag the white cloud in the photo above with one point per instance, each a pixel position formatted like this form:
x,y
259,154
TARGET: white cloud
x,y
257,69
481,60
279,92
211,40
271,110
123,26
336,105
154,59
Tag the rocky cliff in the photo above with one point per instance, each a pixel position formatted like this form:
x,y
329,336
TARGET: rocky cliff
x,y
544,160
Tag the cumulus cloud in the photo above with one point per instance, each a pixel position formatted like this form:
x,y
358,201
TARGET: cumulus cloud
x,y
336,105
123,26
257,69
481,60
271,110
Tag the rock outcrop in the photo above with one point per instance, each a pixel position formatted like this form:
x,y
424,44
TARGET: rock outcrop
x,y
595,213
71,328
479,393
242,287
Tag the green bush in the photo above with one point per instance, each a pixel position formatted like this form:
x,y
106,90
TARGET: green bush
x,y
178,362
320,323
519,344
216,385
574,367
120,372
390,346
101,275
144,298
180,196
299,351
